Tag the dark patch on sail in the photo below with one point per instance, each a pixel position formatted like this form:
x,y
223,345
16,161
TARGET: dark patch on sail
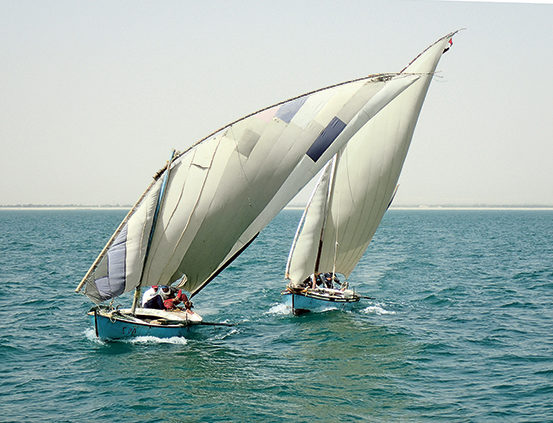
x,y
288,110
247,142
114,284
327,137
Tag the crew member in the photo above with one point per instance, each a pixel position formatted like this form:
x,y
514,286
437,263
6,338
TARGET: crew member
x,y
177,297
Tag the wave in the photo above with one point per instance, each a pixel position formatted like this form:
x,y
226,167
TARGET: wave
x,y
279,309
220,337
176,340
377,309
91,336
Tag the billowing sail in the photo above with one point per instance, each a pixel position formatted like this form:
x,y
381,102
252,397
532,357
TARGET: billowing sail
x,y
222,191
334,234
303,255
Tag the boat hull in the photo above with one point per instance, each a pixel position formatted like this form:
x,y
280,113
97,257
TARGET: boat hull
x,y
112,326
302,302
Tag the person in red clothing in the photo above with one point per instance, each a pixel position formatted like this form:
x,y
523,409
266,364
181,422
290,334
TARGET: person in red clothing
x,y
174,298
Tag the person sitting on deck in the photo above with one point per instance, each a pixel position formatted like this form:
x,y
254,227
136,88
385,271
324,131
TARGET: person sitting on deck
x,y
331,279
152,298
317,281
149,294
175,298
328,281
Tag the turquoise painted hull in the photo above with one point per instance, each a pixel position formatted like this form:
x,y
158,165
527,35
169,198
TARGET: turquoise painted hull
x,y
301,303
107,328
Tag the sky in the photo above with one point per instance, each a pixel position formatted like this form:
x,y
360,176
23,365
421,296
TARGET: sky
x,y
96,94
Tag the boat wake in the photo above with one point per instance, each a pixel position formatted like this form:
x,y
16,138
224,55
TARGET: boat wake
x,y
283,309
279,309
176,340
331,308
220,337
91,336
377,309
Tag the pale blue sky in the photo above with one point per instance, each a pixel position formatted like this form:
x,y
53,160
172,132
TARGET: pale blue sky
x,y
95,94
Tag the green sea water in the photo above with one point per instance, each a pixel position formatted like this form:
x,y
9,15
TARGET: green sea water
x,y
460,329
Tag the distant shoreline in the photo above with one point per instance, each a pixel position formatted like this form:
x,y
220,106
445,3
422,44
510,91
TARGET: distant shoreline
x,y
65,207
296,207
537,208
454,208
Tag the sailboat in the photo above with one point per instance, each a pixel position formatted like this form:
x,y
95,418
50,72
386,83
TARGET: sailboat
x,y
352,195
209,202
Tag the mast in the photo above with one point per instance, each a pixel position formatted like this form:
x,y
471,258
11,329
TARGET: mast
x,y
338,157
137,291
326,209
302,221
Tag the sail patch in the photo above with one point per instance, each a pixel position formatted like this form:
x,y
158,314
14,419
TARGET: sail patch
x,y
288,110
246,142
267,115
327,137
113,284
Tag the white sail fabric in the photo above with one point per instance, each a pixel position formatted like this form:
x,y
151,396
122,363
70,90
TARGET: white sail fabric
x,y
224,190
311,223
366,173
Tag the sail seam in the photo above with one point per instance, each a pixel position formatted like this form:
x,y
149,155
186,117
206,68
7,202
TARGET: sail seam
x,y
94,265
196,203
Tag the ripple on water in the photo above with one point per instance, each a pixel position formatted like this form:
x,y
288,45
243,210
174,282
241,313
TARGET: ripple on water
x,y
462,330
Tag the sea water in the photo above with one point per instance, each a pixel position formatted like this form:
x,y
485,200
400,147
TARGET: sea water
x,y
460,329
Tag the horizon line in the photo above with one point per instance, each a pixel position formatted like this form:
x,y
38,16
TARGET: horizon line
x,y
293,207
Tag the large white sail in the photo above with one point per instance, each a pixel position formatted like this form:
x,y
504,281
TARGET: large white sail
x,y
366,172
312,223
221,192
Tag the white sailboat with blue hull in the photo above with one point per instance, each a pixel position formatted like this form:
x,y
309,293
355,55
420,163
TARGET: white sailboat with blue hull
x,y
209,202
352,195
